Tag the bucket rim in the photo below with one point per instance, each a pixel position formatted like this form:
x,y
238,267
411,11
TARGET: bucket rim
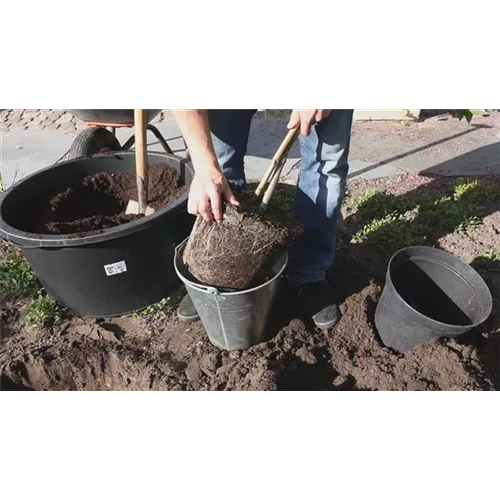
x,y
489,305
24,239
213,290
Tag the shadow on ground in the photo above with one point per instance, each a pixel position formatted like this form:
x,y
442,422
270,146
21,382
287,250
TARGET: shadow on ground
x,y
6,384
299,375
384,223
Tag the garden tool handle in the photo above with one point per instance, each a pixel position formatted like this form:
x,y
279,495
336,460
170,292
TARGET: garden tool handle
x,y
141,158
277,158
270,190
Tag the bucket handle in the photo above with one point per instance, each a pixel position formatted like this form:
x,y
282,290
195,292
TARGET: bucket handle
x,y
179,246
208,289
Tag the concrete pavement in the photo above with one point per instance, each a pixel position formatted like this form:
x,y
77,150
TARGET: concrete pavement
x,y
378,149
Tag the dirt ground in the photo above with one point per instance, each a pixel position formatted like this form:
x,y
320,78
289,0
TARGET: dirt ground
x,y
157,352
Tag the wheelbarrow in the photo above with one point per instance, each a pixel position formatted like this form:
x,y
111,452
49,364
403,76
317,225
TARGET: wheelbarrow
x,y
100,137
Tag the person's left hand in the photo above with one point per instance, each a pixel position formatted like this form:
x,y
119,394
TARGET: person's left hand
x,y
306,118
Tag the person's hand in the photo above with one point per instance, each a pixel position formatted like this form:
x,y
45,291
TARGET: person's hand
x,y
208,190
306,118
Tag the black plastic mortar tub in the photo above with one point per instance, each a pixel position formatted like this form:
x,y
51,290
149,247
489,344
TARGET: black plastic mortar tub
x,y
429,294
118,271
237,320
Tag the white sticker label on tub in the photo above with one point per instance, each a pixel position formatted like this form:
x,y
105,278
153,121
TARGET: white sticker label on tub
x,y
116,268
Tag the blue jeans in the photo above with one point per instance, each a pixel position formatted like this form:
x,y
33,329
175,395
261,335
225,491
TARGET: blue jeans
x,y
321,186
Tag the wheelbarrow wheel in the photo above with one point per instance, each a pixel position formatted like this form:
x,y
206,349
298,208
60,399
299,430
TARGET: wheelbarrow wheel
x,y
92,141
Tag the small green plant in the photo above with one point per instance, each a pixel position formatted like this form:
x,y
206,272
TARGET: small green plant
x,y
490,262
361,198
41,310
153,310
493,256
374,204
476,191
17,278
462,209
376,226
454,214
390,232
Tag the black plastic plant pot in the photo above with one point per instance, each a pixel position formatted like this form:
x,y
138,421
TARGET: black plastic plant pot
x,y
122,269
429,294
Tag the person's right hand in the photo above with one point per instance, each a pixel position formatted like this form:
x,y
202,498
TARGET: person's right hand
x,y
207,191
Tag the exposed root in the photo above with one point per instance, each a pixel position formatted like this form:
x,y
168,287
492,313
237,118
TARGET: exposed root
x,y
237,253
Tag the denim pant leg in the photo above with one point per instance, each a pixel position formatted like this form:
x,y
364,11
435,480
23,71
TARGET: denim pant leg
x,y
230,130
319,196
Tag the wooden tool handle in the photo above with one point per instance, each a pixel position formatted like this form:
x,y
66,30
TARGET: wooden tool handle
x,y
275,162
272,186
287,142
141,158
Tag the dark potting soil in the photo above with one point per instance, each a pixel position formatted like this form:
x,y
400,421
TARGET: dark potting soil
x,y
96,202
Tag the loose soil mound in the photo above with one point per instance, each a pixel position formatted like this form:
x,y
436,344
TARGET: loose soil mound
x,y
98,202
161,353
165,354
238,252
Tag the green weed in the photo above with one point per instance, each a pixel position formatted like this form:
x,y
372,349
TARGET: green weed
x,y
462,208
41,310
373,203
459,214
476,191
388,223
490,262
17,278
155,309
361,198
493,256
390,232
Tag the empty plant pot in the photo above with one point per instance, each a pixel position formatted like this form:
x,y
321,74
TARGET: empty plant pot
x,y
429,294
